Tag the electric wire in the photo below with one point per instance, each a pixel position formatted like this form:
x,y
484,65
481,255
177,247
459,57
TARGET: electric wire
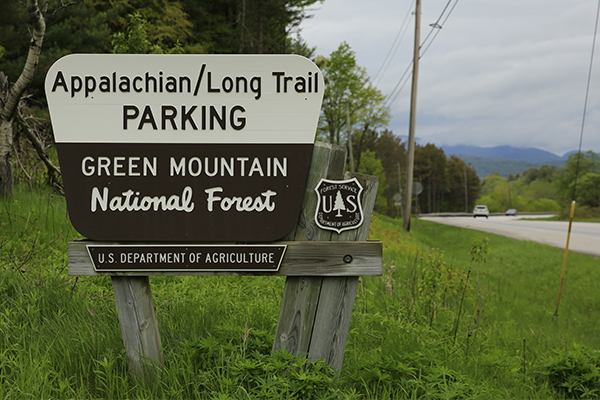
x,y
436,24
392,51
587,92
437,27
391,98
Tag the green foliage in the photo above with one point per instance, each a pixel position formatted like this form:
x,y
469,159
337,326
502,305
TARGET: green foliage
x,y
349,93
246,27
135,40
533,191
168,24
76,28
61,339
439,288
384,155
545,205
588,189
459,174
256,372
372,166
188,26
412,376
581,169
585,213
574,373
480,248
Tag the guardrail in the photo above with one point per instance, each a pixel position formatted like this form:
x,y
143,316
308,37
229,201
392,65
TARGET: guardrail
x,y
463,214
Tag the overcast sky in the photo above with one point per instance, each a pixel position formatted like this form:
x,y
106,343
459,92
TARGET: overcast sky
x,y
499,72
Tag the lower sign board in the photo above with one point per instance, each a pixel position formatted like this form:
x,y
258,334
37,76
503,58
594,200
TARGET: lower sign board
x,y
111,258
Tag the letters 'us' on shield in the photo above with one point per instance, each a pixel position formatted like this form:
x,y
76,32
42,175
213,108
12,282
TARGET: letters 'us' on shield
x,y
339,207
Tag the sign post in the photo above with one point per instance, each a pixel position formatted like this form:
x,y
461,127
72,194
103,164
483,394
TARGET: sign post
x,y
165,155
315,311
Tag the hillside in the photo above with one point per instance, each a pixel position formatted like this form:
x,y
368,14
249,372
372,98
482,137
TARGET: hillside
x,y
529,154
487,166
504,159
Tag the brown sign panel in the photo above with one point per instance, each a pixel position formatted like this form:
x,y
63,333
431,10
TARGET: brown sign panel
x,y
184,148
179,192
111,258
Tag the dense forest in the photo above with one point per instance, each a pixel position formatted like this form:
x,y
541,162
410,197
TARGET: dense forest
x,y
353,112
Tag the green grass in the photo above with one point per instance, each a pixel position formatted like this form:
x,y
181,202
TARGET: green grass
x,y
448,319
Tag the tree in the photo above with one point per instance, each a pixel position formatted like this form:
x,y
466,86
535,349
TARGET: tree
x,y
588,191
244,26
78,28
578,165
135,40
391,152
460,177
372,166
10,94
348,92
430,170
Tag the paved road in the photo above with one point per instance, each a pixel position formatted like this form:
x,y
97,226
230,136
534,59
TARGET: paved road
x,y
585,236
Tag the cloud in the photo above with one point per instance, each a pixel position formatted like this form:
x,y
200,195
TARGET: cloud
x,y
498,72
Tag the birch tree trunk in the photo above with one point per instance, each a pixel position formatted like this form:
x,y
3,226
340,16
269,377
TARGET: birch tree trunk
x,y
11,94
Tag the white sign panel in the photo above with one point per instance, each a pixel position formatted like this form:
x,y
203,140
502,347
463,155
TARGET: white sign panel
x,y
184,147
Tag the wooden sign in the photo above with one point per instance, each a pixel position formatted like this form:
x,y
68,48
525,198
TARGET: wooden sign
x,y
184,148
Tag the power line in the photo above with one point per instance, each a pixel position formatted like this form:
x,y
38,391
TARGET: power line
x,y
587,92
397,89
394,47
436,26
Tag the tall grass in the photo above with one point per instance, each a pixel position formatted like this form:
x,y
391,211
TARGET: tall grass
x,y
448,319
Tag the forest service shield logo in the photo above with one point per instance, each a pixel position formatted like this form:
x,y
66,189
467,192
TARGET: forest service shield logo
x,y
338,205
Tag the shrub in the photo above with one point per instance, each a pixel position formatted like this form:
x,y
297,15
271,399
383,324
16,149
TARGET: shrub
x,y
574,373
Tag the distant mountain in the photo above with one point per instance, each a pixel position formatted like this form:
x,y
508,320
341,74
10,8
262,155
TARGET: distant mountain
x,y
529,154
487,166
504,159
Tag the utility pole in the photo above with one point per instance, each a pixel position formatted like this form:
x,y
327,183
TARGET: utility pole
x,y
413,112
400,190
466,189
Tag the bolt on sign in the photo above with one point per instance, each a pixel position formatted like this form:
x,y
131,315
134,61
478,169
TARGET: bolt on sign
x,y
184,147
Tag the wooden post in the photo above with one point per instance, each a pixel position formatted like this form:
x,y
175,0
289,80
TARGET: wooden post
x,y
319,292
315,312
139,326
412,119
301,294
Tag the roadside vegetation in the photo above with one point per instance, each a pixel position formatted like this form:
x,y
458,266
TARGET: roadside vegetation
x,y
456,314
354,110
549,188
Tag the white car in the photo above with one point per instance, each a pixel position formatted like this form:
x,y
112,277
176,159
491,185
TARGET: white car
x,y
481,211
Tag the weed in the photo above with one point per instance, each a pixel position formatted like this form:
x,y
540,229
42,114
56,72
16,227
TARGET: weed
x,y
574,373
60,337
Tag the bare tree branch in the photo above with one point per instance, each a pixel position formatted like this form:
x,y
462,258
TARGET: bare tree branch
x,y
30,127
62,5
36,16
